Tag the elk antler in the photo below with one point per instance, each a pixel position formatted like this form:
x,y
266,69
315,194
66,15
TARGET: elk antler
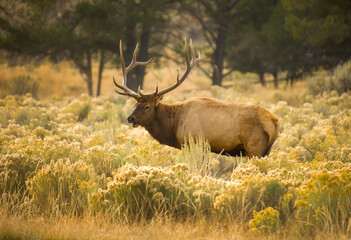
x,y
189,65
126,91
126,70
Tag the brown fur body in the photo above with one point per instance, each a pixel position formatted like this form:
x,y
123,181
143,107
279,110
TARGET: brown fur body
x,y
231,128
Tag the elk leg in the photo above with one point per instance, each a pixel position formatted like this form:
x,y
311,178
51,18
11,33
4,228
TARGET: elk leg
x,y
257,144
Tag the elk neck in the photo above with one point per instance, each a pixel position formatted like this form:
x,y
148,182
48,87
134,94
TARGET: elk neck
x,y
163,127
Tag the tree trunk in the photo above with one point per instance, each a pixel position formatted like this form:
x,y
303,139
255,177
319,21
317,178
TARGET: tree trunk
x,y
262,80
131,42
219,56
287,78
84,65
88,74
137,78
101,68
275,75
293,80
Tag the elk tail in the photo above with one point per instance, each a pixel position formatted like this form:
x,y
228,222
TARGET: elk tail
x,y
273,137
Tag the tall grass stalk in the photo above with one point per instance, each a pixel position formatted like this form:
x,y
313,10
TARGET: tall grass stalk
x,y
196,152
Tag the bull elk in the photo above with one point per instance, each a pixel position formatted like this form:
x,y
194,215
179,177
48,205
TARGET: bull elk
x,y
230,128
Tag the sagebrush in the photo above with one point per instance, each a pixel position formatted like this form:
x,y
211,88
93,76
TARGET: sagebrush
x,y
61,158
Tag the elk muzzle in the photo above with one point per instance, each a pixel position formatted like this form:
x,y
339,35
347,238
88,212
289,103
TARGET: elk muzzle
x,y
133,121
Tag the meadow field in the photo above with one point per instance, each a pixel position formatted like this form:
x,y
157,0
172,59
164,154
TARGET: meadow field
x,y
72,168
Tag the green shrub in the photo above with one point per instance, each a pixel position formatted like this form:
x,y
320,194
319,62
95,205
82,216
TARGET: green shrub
x,y
342,80
22,85
318,84
80,108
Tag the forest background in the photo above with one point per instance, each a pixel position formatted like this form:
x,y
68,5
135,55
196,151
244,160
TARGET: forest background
x,y
281,40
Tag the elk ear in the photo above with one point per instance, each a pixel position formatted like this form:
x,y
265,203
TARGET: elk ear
x,y
159,98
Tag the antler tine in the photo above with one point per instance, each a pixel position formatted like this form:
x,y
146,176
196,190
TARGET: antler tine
x,y
146,95
134,62
124,73
126,70
189,65
126,90
186,54
193,56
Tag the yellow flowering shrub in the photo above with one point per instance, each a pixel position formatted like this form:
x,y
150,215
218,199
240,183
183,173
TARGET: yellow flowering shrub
x,y
241,197
79,157
62,187
80,108
324,200
103,159
203,190
144,192
15,169
265,221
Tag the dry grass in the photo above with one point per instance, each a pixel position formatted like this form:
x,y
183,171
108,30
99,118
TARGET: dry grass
x,y
98,228
93,228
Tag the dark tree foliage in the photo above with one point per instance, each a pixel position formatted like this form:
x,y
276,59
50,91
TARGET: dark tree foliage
x,y
263,45
72,30
84,32
144,22
217,19
93,28
274,36
325,25
260,36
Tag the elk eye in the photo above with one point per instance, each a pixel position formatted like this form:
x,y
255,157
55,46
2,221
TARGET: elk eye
x,y
147,107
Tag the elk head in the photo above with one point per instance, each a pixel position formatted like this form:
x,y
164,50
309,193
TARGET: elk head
x,y
146,103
